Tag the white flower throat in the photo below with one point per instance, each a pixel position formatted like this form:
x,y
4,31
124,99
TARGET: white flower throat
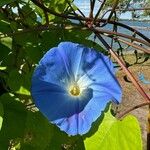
x,y
76,88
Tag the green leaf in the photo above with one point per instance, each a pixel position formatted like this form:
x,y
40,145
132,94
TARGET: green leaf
x,y
29,16
19,83
58,5
2,68
13,121
4,23
115,134
13,25
30,38
4,52
38,132
7,41
6,55
82,37
50,39
4,27
34,53
4,2
1,115
65,141
46,40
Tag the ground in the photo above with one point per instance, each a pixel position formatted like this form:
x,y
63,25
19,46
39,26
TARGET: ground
x,y
132,97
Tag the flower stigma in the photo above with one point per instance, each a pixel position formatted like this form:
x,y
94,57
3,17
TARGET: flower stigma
x,y
75,90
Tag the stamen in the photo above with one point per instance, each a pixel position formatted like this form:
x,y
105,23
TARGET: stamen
x,y
75,90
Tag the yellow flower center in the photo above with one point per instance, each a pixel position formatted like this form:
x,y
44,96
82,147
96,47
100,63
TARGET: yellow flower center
x,y
75,90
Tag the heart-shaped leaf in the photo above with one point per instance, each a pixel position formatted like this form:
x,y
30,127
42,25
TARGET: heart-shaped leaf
x,y
115,134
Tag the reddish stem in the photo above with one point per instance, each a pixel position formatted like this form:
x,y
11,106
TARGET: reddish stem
x,y
122,64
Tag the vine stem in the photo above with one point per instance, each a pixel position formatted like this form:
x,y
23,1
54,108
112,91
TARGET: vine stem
x,y
128,73
75,26
120,115
99,30
128,43
37,3
100,9
113,9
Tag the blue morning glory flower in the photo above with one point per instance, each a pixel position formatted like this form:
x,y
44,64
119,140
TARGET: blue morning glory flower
x,y
72,85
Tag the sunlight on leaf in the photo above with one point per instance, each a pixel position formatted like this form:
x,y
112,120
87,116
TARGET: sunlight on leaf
x,y
1,115
19,83
116,134
3,68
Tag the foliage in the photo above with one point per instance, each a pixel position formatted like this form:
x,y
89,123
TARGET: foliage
x,y
122,3
26,33
147,4
124,134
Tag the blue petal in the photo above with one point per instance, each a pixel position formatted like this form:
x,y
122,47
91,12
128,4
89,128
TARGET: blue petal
x,y
52,69
113,90
82,122
99,75
72,55
92,111
55,102
70,63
